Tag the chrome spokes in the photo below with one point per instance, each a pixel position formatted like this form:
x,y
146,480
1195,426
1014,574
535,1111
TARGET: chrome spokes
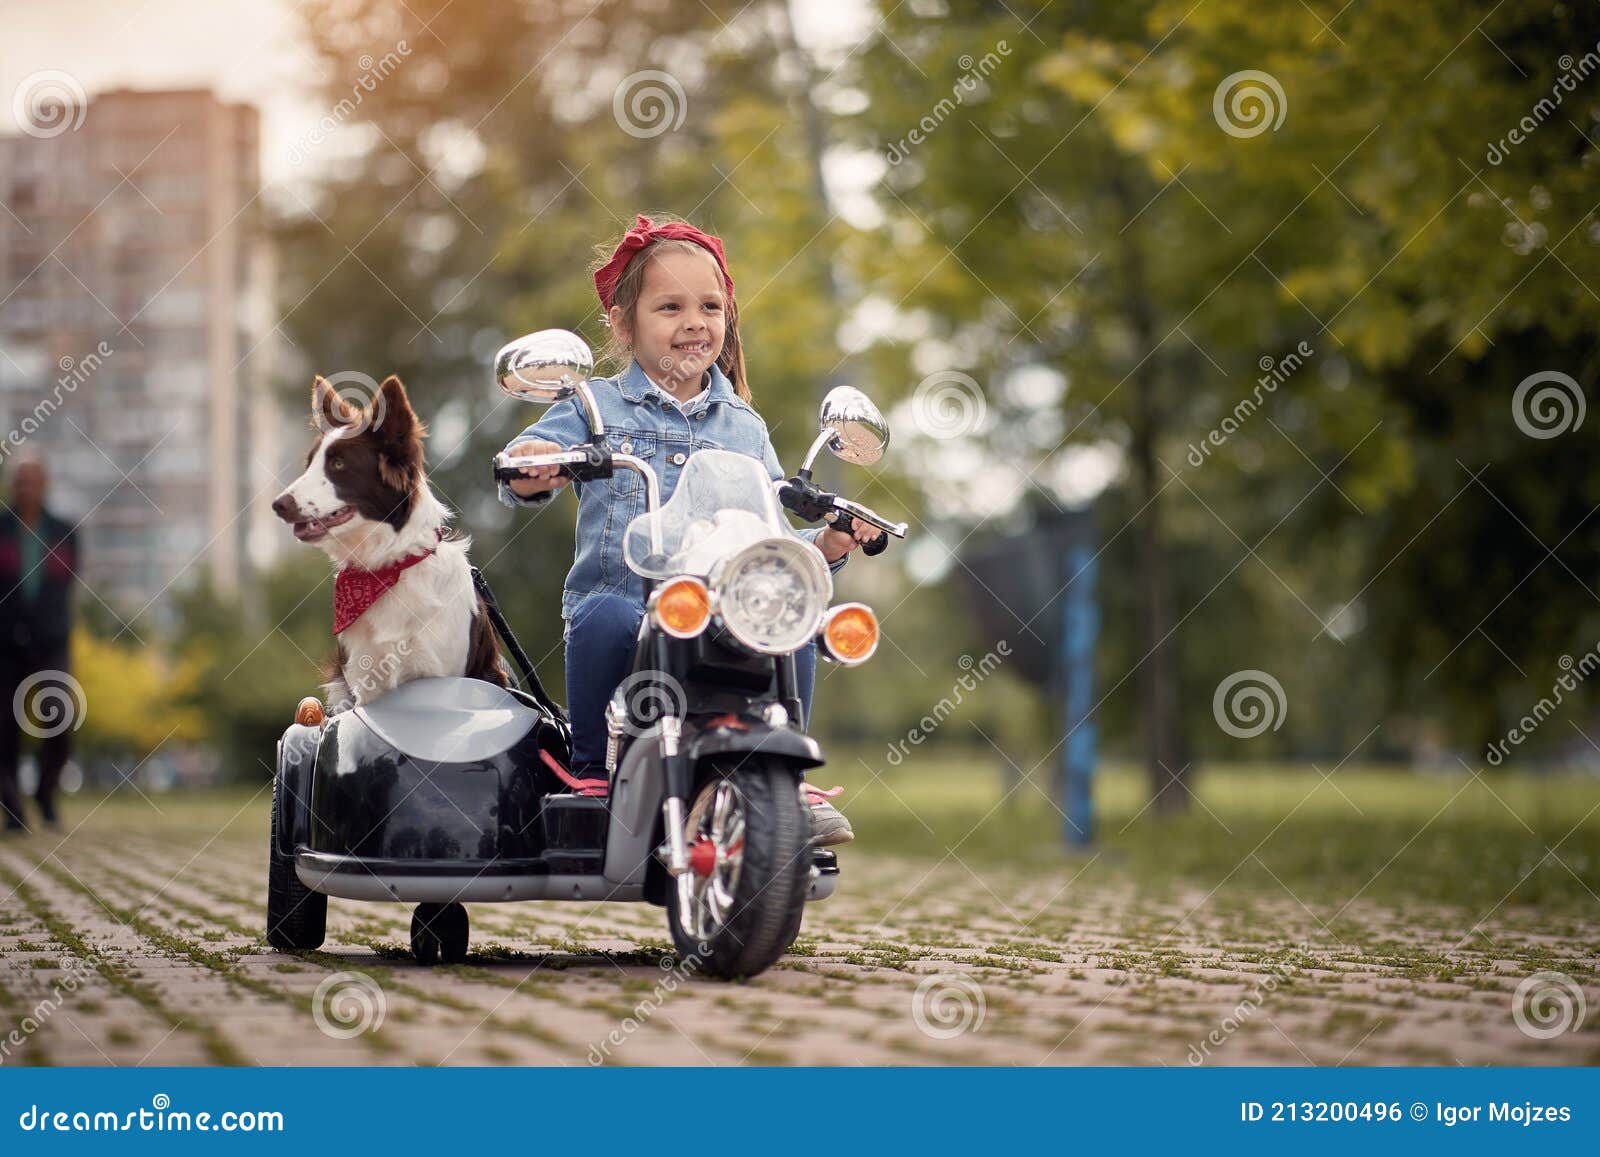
x,y
706,900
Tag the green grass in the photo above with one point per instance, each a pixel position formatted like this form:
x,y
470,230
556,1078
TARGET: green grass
x,y
1366,832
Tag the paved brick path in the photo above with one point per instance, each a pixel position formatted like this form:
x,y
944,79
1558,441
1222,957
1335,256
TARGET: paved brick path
x,y
913,962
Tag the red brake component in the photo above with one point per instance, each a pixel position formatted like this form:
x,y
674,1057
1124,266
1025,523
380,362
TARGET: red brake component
x,y
702,857
728,720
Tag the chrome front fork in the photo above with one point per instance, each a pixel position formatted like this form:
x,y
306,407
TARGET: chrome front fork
x,y
616,728
677,851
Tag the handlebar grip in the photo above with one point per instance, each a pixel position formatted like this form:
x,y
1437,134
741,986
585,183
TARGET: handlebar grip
x,y
848,525
512,473
508,468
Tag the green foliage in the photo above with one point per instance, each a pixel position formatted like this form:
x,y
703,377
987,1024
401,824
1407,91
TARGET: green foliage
x,y
1112,229
136,699
251,673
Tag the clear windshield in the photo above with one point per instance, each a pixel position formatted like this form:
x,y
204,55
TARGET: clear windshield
x,y
723,502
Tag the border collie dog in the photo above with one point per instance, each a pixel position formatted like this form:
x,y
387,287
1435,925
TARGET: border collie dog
x,y
404,606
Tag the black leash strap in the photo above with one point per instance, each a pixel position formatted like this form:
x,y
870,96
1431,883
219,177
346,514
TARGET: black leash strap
x,y
503,629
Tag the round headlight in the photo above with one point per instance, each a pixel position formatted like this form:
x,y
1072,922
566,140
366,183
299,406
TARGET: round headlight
x,y
771,595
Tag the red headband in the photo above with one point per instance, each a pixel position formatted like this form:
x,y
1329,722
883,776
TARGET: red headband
x,y
643,233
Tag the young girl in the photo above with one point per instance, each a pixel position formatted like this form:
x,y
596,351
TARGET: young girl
x,y
669,301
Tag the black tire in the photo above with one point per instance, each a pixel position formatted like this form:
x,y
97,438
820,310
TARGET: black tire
x,y
770,895
439,932
297,917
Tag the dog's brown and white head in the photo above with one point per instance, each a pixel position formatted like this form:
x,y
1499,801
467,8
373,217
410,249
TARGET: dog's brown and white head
x,y
363,493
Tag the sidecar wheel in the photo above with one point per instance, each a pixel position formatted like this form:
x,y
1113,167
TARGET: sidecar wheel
x,y
741,910
297,917
439,932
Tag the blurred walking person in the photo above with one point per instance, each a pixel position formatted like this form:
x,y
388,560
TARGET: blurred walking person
x,y
38,566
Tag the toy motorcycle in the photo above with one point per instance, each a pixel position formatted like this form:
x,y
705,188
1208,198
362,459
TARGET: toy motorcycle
x,y
451,791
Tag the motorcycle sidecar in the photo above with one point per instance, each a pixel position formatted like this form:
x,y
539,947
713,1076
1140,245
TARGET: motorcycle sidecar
x,y
436,794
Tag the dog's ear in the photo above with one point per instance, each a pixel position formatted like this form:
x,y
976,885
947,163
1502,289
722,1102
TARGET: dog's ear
x,y
401,432
392,415
328,409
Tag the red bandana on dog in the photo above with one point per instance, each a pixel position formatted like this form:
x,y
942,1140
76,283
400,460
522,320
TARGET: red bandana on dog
x,y
645,231
355,589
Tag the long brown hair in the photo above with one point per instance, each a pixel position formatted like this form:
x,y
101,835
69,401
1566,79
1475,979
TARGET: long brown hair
x,y
626,297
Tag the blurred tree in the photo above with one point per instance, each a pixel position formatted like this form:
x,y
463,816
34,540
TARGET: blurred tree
x,y
1161,203
1009,250
136,698
1426,211
247,683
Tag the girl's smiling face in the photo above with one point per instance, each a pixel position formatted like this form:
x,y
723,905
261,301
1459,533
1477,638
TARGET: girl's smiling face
x,y
680,320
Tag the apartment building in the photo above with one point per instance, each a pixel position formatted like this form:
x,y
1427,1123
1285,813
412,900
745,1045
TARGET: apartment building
x,y
135,336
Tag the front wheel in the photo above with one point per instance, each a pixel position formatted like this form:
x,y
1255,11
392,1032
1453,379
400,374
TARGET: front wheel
x,y
737,909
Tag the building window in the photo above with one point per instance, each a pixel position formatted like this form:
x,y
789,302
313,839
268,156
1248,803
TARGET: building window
x,y
24,196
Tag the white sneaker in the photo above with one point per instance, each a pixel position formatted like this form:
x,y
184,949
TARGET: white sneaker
x,y
828,822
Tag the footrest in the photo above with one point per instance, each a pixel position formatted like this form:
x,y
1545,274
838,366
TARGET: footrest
x,y
574,823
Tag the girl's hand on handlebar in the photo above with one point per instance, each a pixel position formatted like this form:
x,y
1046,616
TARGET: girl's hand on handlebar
x,y
536,479
835,544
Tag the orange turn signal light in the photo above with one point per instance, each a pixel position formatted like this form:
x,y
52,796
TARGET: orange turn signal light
x,y
309,713
682,607
849,633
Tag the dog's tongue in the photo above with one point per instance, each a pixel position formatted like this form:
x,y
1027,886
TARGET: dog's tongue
x,y
310,528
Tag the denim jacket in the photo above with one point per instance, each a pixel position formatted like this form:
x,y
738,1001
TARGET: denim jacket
x,y
642,420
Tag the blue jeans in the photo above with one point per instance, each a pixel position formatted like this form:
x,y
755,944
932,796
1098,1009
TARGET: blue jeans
x,y
600,641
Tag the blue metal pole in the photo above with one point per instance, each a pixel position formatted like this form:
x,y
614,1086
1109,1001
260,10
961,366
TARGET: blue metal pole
x,y
1080,626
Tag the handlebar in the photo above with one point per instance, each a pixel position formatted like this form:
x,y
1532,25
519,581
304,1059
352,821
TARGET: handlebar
x,y
507,468
843,522
587,463
814,504
854,510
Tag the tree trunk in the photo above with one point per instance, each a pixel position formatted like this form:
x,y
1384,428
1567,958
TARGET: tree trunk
x,y
1160,715
816,134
